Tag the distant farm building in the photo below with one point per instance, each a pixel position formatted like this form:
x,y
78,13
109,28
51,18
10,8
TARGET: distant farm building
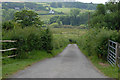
x,y
17,8
51,12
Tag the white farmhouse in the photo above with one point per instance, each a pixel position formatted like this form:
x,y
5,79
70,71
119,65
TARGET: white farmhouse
x,y
51,12
17,8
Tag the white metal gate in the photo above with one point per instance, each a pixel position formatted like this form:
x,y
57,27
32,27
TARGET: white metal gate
x,y
113,53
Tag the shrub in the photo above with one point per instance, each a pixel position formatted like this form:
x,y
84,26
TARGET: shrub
x,y
54,25
72,41
28,39
27,18
95,42
59,41
8,25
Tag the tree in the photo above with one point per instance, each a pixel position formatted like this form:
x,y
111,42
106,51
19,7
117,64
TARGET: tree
x,y
107,16
53,4
7,15
59,5
101,9
27,18
8,25
111,6
74,12
118,16
75,18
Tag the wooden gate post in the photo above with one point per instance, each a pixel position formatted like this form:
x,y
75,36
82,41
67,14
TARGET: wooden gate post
x,y
118,60
117,53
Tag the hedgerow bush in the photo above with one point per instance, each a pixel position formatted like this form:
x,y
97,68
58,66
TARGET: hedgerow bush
x,y
28,39
54,25
59,41
95,42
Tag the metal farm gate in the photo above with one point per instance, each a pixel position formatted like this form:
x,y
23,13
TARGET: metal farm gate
x,y
114,55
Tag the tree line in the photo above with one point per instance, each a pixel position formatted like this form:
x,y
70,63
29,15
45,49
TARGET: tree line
x,y
106,16
89,6
75,18
28,5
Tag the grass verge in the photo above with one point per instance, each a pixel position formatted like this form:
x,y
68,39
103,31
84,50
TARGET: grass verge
x,y
11,66
102,66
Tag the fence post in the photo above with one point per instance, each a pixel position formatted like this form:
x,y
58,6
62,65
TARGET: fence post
x,y
118,60
118,54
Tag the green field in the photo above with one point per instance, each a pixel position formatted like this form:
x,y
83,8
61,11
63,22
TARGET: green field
x,y
70,32
67,10
64,10
42,12
44,4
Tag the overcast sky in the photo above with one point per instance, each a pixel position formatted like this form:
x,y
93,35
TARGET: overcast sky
x,y
85,1
93,1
